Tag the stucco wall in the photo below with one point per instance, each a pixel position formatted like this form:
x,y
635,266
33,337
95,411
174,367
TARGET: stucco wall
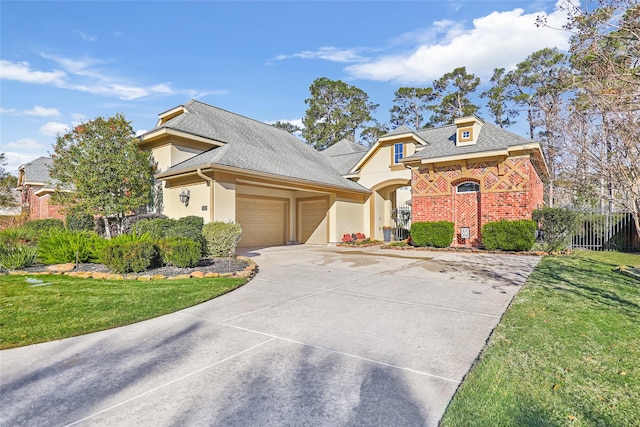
x,y
350,216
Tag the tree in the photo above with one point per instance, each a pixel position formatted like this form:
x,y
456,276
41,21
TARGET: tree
x,y
101,169
453,90
540,74
409,103
288,127
8,183
335,111
499,99
371,134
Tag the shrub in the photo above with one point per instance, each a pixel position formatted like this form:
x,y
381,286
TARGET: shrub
x,y
436,234
222,238
41,227
18,235
179,252
60,246
16,256
557,226
189,227
129,221
519,235
129,256
80,221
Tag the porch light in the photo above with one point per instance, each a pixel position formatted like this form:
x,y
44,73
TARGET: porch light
x,y
184,196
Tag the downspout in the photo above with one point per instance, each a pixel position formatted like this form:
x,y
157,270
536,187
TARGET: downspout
x,y
210,182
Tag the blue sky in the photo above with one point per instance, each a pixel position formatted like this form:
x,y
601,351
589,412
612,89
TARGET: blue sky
x,y
67,62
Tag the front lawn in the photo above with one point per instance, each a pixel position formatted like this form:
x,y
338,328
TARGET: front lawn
x,y
567,352
62,306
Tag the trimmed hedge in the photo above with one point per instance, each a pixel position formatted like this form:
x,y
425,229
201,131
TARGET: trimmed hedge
x,y
129,257
189,227
40,227
129,221
180,252
435,234
518,235
222,238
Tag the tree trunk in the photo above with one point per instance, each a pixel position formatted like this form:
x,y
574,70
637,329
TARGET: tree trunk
x,y
107,228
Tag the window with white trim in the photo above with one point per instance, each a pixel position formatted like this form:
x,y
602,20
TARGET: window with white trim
x,y
468,187
398,152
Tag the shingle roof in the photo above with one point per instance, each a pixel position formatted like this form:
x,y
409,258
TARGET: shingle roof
x,y
344,155
38,170
254,146
442,141
399,131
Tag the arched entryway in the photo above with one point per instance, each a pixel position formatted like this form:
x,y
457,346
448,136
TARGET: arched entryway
x,y
386,200
467,212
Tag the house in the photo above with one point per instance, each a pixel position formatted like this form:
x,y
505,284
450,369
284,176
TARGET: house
x,y
225,167
36,187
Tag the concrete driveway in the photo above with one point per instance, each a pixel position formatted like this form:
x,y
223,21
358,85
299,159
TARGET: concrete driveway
x,y
320,337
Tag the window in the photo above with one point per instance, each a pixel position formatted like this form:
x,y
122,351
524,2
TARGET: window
x,y
466,134
398,152
468,187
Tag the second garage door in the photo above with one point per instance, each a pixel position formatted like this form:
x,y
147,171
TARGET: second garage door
x,y
263,221
312,220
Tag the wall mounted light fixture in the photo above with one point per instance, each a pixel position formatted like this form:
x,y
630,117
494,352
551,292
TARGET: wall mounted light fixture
x,y
184,196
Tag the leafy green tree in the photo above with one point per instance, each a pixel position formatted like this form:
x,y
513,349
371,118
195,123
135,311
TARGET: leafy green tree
x,y
288,127
7,184
409,103
452,91
336,110
101,169
498,99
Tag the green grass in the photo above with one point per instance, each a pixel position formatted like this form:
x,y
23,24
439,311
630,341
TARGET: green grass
x,y
74,306
566,353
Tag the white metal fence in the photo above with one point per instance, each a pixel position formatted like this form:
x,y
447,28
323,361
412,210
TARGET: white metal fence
x,y
606,232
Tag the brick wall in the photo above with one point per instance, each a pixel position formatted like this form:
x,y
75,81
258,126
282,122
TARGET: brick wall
x,y
40,207
508,190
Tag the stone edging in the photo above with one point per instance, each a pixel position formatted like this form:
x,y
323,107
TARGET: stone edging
x,y
67,269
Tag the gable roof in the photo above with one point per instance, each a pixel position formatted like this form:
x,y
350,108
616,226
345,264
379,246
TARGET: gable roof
x,y
400,130
441,145
344,155
251,145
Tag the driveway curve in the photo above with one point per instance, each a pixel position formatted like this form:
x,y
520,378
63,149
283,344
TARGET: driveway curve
x,y
321,336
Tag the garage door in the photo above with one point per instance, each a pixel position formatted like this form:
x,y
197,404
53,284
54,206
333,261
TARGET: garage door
x,y
312,220
263,221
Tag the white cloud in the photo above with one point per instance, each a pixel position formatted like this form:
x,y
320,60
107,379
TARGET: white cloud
x,y
333,54
21,71
500,39
26,144
53,128
7,110
42,111
85,75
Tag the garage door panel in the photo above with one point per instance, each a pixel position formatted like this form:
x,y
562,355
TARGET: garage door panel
x,y
263,221
312,221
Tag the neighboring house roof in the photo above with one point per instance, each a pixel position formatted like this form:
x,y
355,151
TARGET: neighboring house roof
x,y
344,155
36,174
251,145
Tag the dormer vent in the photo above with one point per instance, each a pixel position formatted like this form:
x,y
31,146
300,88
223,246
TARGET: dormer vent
x,y
467,130
170,114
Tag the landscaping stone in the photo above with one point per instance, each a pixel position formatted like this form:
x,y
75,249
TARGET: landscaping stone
x,y
114,277
61,268
179,277
100,275
145,278
17,273
210,275
158,277
197,274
